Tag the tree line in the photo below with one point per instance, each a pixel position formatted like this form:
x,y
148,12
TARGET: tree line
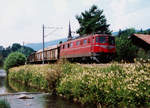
x,y
4,52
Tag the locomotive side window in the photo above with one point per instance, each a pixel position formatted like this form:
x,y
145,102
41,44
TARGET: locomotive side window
x,y
85,41
71,44
78,43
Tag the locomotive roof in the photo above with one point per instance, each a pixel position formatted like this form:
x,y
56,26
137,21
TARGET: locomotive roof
x,y
48,48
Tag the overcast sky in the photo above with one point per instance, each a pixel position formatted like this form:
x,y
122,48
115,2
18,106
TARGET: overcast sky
x,y
21,20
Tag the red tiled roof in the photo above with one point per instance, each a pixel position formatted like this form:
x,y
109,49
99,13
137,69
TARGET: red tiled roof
x,y
144,37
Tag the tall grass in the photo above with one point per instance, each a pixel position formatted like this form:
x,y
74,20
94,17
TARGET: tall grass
x,y
117,85
42,77
4,104
114,85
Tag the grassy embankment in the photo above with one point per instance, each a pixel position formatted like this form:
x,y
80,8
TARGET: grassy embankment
x,y
112,85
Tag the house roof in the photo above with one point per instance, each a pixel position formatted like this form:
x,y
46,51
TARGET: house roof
x,y
143,37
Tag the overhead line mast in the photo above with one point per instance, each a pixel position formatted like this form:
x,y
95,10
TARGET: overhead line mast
x,y
43,36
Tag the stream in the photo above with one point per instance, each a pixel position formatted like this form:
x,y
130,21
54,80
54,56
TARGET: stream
x,y
10,93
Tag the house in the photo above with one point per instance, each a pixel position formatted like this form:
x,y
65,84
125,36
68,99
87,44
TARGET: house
x,y
141,40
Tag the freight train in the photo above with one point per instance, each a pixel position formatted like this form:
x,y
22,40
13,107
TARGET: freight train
x,y
96,47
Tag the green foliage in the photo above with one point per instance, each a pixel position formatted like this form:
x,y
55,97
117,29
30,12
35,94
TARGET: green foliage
x,y
4,104
115,85
14,48
42,77
125,49
25,50
1,60
92,21
141,54
14,59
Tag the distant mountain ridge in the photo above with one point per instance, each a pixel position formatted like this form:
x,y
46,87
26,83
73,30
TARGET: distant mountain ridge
x,y
38,46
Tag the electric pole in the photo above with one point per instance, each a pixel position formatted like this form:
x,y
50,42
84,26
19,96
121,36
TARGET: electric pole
x,y
43,36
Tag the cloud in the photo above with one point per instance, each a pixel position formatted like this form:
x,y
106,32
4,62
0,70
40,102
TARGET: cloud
x,y
89,2
123,14
60,5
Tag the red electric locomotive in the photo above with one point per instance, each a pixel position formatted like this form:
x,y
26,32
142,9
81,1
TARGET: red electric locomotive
x,y
98,47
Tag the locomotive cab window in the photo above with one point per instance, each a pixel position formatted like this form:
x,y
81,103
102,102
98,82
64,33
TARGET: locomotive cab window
x,y
101,39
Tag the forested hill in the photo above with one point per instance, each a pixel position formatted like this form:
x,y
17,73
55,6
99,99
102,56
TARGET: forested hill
x,y
38,46
4,52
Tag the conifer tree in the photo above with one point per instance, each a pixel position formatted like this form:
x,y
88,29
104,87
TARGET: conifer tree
x,y
92,21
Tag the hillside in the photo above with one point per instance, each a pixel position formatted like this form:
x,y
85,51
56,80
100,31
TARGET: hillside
x,y
37,46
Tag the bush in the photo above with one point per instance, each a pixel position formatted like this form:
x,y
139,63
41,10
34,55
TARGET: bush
x,y
14,59
143,55
4,104
42,77
126,51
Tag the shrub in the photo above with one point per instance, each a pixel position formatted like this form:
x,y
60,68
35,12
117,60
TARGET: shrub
x,y
4,104
42,77
126,51
14,59
143,55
